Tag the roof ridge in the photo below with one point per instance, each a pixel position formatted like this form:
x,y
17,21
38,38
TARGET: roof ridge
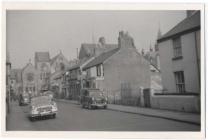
x,y
186,24
101,58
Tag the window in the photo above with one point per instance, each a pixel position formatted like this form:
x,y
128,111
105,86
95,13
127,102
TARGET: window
x,y
98,70
180,82
177,50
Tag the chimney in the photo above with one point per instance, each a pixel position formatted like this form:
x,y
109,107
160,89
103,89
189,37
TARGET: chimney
x,y
124,40
102,41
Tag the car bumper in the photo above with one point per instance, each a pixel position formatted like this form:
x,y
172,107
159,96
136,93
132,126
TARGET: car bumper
x,y
42,114
99,104
25,102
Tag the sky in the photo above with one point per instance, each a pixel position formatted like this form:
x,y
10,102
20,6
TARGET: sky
x,y
54,31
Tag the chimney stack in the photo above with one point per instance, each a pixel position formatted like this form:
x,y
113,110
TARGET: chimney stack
x,y
125,40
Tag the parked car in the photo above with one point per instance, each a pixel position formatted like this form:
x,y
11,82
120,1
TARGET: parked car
x,y
24,99
42,106
93,98
48,93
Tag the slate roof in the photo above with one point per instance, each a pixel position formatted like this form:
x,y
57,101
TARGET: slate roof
x,y
79,63
101,58
54,58
42,56
90,47
189,24
26,66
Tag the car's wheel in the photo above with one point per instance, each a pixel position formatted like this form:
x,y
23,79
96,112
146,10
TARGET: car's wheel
x,y
32,119
89,106
105,107
54,115
83,106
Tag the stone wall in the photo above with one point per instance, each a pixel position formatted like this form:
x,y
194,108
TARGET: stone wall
x,y
178,103
184,102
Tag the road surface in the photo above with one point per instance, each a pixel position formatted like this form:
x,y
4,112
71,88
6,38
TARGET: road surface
x,y
72,117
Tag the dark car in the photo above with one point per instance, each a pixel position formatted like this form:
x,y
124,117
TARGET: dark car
x,y
42,106
93,98
24,99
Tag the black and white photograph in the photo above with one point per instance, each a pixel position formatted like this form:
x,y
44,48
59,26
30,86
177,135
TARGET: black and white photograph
x,y
103,70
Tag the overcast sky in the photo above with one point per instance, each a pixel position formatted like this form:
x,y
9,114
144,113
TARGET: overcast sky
x,y
31,31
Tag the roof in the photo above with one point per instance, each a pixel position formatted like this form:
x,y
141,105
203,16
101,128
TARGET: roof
x,y
57,75
27,65
54,58
91,48
42,56
189,24
101,58
79,63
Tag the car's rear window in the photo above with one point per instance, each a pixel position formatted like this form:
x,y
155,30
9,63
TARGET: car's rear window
x,y
25,95
95,93
41,100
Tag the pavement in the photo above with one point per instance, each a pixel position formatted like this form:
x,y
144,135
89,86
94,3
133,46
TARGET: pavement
x,y
192,118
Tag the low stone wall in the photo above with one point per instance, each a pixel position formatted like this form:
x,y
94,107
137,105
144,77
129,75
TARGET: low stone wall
x,y
187,103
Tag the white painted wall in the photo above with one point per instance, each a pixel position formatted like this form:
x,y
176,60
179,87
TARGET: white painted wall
x,y
188,64
93,72
166,55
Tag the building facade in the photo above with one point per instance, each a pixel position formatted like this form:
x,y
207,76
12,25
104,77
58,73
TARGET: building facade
x,y
30,79
42,65
121,72
179,51
16,82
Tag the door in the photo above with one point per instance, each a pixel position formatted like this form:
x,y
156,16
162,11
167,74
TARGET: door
x,y
147,98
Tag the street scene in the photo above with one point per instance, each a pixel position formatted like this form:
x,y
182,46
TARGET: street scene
x,y
97,120
103,70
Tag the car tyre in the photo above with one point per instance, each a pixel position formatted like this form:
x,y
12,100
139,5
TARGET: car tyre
x,y
83,106
54,116
32,119
105,107
89,106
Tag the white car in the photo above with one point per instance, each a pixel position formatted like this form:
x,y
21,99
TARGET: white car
x,y
42,106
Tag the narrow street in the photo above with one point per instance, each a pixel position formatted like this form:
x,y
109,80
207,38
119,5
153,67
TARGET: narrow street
x,y
72,117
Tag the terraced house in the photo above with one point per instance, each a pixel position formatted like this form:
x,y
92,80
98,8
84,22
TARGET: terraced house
x,y
179,51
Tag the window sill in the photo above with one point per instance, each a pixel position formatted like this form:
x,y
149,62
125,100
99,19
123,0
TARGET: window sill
x,y
177,58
